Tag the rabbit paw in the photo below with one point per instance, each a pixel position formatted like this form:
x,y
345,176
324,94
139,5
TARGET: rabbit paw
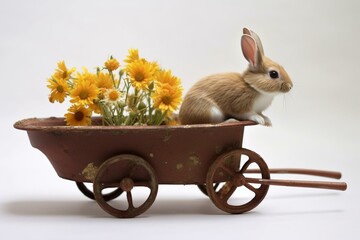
x,y
261,119
267,121
257,118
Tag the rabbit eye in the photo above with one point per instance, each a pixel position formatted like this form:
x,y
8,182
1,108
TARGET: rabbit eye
x,y
274,74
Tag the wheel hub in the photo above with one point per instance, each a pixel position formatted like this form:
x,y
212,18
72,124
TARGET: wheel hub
x,y
126,184
239,180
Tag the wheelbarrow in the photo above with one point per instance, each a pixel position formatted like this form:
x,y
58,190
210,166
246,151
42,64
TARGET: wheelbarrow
x,y
118,160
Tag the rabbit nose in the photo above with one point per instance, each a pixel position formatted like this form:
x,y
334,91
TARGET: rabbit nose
x,y
286,87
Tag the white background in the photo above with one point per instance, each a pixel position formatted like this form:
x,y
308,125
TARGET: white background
x,y
315,126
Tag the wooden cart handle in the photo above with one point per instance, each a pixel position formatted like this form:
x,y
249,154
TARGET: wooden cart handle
x,y
320,173
296,183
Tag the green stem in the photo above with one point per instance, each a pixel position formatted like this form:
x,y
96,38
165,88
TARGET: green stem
x,y
159,121
150,107
106,115
112,78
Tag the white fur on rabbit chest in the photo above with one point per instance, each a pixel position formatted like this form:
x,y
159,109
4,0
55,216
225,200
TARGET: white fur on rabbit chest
x,y
262,101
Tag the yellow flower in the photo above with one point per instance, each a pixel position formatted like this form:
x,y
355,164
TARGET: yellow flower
x,y
172,122
84,93
112,96
168,92
112,64
132,56
59,89
104,81
95,107
78,115
141,74
166,77
85,76
155,66
62,72
167,98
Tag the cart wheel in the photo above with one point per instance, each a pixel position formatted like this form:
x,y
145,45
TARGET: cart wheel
x,y
88,193
229,171
126,172
202,188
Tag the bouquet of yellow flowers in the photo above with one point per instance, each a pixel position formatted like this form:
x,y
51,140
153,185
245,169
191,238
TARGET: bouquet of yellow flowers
x,y
140,93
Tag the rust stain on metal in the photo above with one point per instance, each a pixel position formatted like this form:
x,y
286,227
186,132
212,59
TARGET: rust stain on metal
x,y
194,160
167,137
179,166
89,172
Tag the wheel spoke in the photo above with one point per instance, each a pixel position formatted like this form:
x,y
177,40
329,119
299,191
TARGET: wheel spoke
x,y
226,191
130,200
251,188
227,169
238,158
246,165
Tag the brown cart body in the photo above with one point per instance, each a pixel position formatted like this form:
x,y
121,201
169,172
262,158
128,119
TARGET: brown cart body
x,y
178,154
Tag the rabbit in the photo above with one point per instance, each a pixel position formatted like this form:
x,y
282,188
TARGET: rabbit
x,y
234,96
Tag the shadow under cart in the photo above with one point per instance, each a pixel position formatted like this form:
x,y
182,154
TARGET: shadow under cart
x,y
120,160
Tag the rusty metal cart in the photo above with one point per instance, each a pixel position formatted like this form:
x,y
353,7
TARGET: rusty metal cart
x,y
124,158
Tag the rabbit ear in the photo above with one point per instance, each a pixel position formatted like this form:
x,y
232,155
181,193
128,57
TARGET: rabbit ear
x,y
258,42
257,39
246,31
250,50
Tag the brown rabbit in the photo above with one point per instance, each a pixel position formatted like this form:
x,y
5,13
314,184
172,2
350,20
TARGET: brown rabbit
x,y
220,97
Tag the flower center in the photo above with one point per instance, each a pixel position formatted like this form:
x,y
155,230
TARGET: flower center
x,y
139,77
113,95
166,100
83,95
79,116
60,89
